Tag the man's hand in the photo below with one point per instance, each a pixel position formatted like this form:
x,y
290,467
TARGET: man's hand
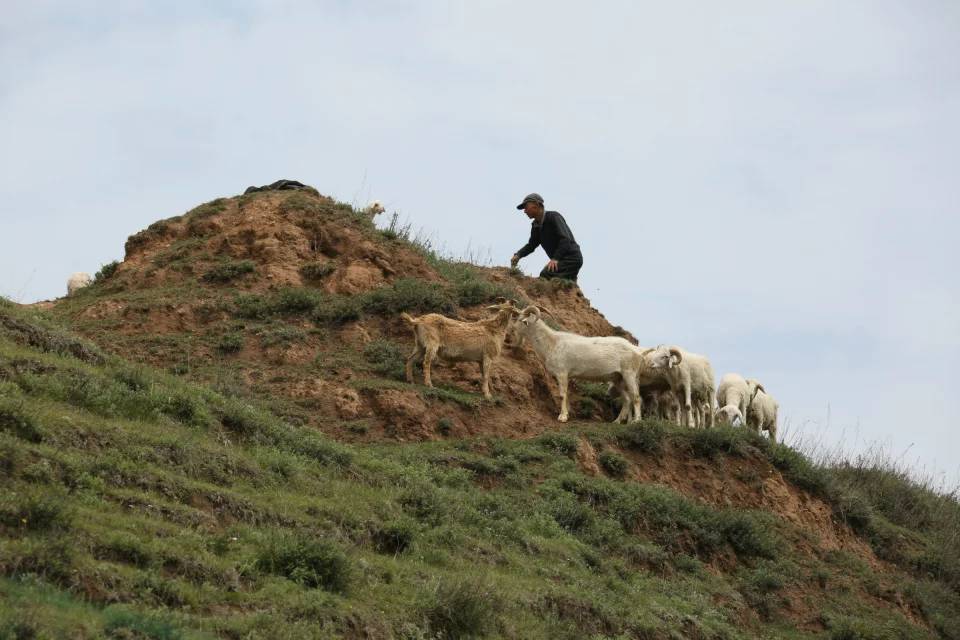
x,y
514,259
552,265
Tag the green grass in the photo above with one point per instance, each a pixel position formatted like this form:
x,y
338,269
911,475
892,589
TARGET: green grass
x,y
228,271
135,504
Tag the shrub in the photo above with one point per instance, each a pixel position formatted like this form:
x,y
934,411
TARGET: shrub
x,y
312,563
387,358
559,443
230,343
316,270
645,438
338,310
462,609
227,271
124,623
444,426
106,271
34,512
709,443
15,421
252,306
295,300
395,536
613,463
283,335
408,294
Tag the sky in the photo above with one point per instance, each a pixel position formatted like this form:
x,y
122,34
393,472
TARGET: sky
x,y
774,185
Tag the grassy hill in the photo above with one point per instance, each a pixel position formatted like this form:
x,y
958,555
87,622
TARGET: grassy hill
x,y
234,455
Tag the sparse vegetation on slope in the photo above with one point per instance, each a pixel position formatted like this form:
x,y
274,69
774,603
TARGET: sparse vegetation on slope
x,y
138,504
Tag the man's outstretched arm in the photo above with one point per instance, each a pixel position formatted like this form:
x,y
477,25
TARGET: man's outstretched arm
x,y
528,248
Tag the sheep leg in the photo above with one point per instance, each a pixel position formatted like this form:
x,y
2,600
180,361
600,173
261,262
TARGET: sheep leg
x,y
633,391
416,355
485,366
688,417
428,357
624,402
562,382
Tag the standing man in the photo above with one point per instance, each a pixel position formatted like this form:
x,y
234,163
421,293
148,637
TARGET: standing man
x,y
550,231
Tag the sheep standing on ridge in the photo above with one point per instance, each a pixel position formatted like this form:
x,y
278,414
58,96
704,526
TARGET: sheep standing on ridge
x,y
78,281
568,355
762,414
734,396
691,379
438,336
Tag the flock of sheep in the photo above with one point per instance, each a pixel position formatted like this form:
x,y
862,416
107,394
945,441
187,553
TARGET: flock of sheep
x,y
675,384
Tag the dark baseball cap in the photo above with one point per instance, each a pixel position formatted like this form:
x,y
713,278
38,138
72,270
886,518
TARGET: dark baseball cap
x,y
533,197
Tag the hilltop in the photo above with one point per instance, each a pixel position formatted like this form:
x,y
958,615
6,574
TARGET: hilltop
x,y
214,440
293,297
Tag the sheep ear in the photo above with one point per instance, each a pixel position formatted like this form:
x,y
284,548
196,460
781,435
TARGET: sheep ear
x,y
758,390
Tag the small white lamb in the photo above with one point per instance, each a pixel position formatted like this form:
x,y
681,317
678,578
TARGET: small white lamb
x,y
78,281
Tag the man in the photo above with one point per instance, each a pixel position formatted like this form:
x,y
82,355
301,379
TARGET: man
x,y
550,231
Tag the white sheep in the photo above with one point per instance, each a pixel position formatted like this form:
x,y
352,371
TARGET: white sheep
x,y
374,209
691,379
734,395
78,281
569,355
438,336
762,414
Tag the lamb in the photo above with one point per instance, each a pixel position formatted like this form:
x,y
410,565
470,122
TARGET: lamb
x,y
734,396
690,377
569,355
78,281
762,414
374,209
438,336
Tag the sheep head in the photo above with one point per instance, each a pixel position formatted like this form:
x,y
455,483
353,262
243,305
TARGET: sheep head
x,y
662,357
728,414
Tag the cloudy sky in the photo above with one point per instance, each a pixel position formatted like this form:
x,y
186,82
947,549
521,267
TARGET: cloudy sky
x,y
776,185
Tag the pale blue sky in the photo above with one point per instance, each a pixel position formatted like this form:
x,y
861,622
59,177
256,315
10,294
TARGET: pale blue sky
x,y
776,185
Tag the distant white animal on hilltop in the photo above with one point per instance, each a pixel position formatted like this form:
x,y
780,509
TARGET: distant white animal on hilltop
x,y
374,209
78,281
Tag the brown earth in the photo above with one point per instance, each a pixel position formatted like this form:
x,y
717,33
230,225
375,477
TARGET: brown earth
x,y
158,308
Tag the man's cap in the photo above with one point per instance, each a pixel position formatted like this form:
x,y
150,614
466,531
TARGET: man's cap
x,y
533,197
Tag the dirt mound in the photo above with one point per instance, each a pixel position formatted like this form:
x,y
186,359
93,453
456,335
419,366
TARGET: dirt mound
x,y
295,297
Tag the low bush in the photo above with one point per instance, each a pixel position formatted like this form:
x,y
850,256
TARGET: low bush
x,y
314,271
230,343
307,561
387,358
613,463
228,271
462,608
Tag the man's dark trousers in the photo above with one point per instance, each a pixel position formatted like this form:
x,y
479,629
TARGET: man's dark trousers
x,y
567,268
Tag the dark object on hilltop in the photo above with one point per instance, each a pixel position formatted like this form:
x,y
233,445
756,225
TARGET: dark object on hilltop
x,y
281,185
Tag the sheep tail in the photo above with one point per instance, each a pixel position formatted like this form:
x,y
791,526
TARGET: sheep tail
x,y
406,317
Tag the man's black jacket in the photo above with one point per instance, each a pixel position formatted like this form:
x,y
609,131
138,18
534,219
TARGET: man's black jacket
x,y
554,236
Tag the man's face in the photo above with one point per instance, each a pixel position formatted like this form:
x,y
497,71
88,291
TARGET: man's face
x,y
533,210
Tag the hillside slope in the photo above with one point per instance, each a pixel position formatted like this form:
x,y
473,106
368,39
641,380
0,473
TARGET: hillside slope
x,y
135,504
293,297
229,451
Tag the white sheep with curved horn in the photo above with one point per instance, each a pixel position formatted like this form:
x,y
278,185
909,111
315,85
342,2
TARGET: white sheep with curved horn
x,y
569,355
